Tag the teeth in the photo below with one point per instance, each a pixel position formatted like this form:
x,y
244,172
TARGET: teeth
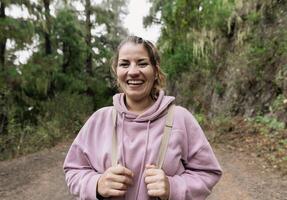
x,y
135,82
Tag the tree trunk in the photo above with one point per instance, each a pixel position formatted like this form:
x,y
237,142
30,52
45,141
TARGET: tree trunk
x,y
3,123
48,45
66,57
89,59
3,40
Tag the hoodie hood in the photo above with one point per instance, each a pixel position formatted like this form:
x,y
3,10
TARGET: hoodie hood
x,y
152,113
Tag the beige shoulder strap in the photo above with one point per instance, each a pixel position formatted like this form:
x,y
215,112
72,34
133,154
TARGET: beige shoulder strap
x,y
114,139
165,136
164,140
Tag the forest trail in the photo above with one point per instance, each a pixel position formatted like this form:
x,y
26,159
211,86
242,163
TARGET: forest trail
x,y
39,176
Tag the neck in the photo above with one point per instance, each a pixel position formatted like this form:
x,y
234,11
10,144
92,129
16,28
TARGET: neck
x,y
140,106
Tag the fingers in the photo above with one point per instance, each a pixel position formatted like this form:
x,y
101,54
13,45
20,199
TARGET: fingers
x,y
115,181
157,182
120,170
155,186
148,166
118,186
119,179
116,193
155,193
154,179
152,170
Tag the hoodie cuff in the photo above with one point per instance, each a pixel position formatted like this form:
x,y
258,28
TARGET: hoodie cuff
x,y
175,192
91,190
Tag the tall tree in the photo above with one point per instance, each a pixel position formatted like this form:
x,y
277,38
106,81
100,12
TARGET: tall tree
x,y
70,35
89,59
2,37
48,45
107,14
20,32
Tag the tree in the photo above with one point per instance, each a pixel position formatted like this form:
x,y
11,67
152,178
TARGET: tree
x,y
70,38
20,31
3,38
70,45
188,30
89,60
48,45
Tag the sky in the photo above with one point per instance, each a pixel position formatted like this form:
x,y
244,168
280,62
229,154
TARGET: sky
x,y
134,20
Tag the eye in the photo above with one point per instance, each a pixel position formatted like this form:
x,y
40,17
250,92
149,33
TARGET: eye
x,y
143,64
124,65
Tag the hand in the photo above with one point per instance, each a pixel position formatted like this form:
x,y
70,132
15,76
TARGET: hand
x,y
157,182
115,181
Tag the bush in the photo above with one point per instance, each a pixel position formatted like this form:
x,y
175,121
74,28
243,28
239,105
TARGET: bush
x,y
59,118
269,122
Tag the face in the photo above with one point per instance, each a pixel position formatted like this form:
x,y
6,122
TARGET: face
x,y
135,74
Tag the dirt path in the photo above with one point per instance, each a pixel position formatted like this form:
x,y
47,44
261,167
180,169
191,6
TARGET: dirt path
x,y
246,178
40,177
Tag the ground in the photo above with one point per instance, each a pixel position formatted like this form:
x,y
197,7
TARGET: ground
x,y
40,176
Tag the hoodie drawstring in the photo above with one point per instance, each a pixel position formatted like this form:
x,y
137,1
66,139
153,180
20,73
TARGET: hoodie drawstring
x,y
145,152
144,159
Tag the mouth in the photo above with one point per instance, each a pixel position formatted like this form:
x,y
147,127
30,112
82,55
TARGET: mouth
x,y
135,82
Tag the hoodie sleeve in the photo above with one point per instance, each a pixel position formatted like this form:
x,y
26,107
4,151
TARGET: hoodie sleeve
x,y
202,170
80,176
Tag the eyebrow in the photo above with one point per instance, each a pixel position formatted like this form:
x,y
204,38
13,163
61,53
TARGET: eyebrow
x,y
139,60
123,60
142,59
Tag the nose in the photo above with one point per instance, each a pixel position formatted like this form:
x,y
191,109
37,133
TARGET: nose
x,y
133,70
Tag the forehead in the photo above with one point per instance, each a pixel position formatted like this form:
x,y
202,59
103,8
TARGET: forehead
x,y
132,51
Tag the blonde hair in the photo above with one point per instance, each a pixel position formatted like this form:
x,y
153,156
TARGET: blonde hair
x,y
160,80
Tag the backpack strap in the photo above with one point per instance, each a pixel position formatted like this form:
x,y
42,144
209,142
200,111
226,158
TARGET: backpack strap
x,y
165,136
114,139
164,140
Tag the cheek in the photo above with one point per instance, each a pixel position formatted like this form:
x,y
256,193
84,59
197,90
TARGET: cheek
x,y
120,75
151,77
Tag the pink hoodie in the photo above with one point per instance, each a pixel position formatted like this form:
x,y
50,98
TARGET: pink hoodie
x,y
190,164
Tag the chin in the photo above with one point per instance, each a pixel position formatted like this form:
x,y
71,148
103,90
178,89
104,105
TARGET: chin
x,y
136,95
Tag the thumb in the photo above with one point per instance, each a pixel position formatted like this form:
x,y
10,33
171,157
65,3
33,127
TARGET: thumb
x,y
150,166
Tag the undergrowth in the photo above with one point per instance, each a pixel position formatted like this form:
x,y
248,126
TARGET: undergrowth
x,y
262,136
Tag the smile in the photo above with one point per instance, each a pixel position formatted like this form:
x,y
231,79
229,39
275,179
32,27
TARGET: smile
x,y
135,82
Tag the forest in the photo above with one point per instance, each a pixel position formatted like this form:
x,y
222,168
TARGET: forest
x,y
226,61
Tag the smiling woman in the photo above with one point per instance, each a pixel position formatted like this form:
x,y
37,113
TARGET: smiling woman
x,y
161,151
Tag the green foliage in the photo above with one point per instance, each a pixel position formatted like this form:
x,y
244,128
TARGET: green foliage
x,y
188,32
103,93
69,35
223,124
228,58
76,84
177,62
201,118
37,76
269,122
254,17
66,111
219,89
278,104
50,97
60,117
19,30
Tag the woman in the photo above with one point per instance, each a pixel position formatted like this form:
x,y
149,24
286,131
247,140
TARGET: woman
x,y
189,169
